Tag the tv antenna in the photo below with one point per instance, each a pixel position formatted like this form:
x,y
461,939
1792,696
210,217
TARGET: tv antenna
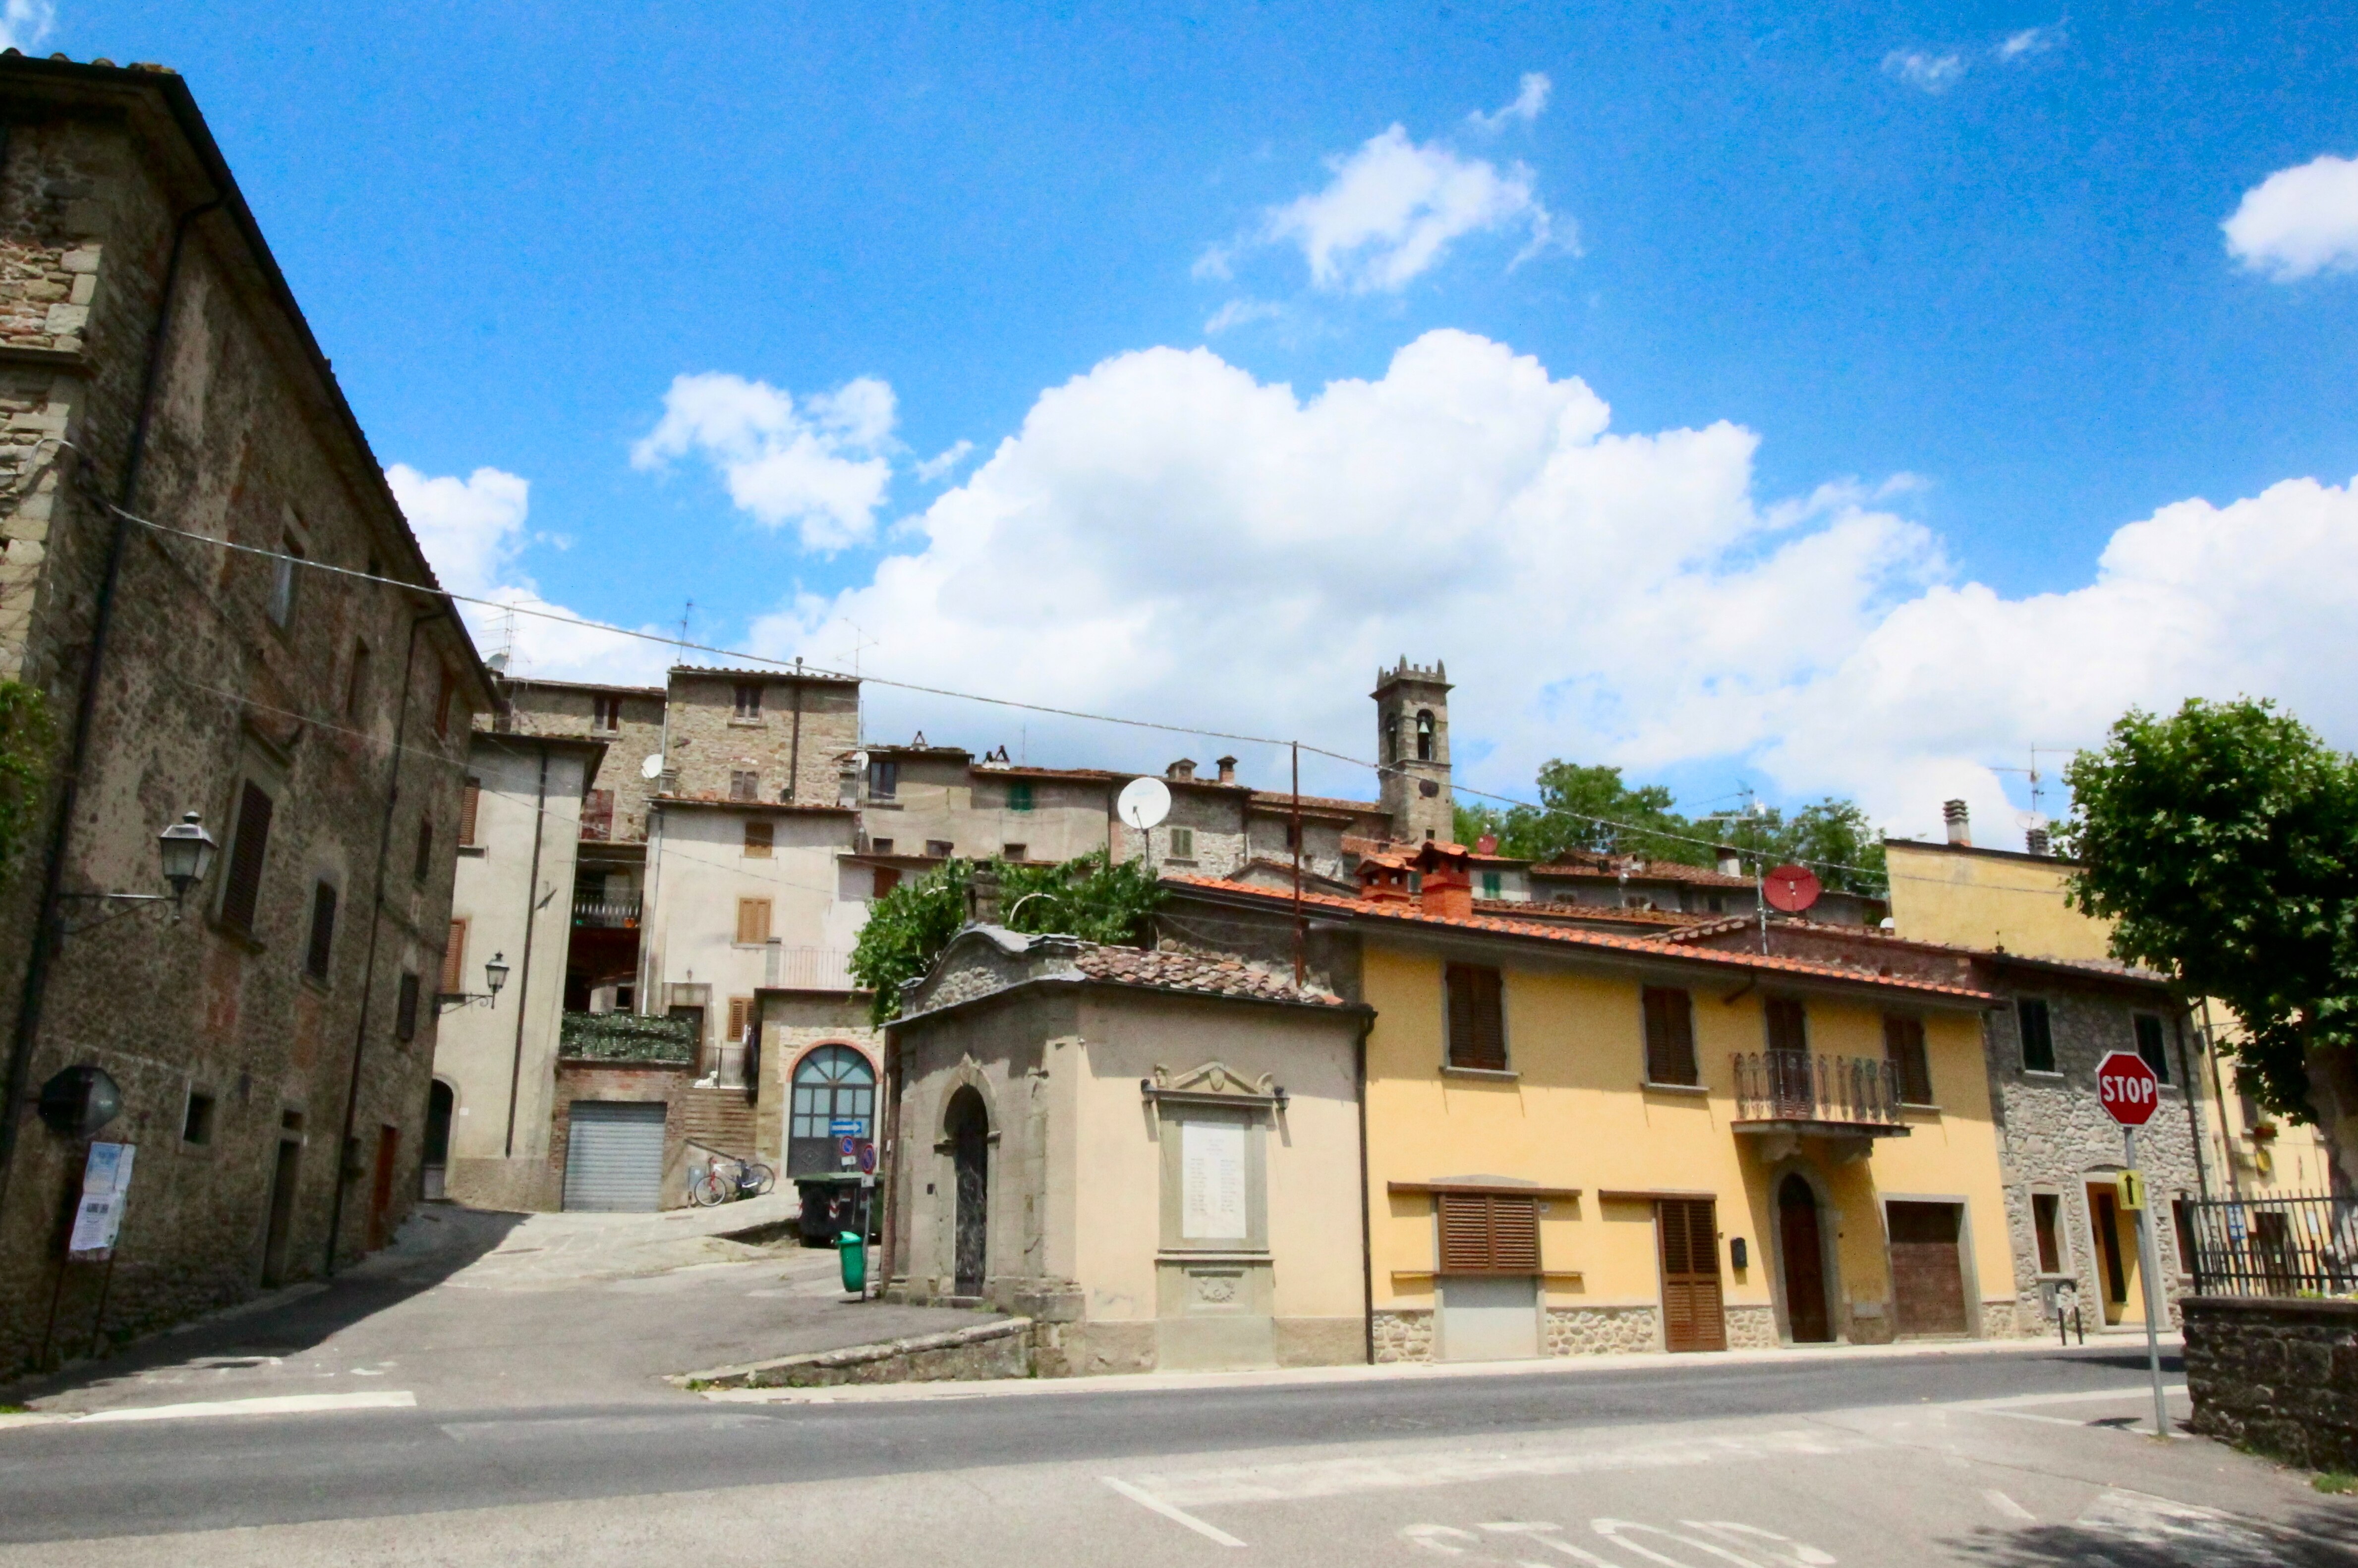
x,y
859,640
2034,817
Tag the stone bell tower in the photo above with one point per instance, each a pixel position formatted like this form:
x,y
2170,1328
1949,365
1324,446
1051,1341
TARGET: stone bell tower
x,y
1413,744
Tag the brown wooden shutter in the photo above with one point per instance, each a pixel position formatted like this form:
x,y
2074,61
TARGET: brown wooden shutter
x,y
469,801
741,1008
323,932
1903,1055
243,889
1478,1035
454,960
887,879
752,920
1670,1036
1693,1318
1789,1027
1488,1233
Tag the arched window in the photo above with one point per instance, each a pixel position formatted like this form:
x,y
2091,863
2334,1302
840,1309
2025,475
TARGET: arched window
x,y
833,1086
1425,735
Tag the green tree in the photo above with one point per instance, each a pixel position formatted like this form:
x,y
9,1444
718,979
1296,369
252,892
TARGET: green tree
x,y
1084,897
27,737
2222,842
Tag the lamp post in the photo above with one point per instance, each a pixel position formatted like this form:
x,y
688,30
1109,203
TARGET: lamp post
x,y
186,851
495,974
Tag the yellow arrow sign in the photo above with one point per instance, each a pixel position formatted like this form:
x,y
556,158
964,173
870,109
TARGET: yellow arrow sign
x,y
2130,1190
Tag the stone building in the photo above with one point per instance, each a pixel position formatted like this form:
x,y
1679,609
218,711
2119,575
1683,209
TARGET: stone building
x,y
272,1046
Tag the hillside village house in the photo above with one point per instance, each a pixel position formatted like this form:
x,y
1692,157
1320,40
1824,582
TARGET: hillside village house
x,y
271,1045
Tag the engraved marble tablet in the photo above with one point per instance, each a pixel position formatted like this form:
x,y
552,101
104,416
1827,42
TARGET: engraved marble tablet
x,y
1212,1200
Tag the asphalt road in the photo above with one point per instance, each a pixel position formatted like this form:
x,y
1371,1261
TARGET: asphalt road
x,y
99,1479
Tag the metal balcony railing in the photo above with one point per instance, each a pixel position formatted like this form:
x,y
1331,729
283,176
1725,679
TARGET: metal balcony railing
x,y
1802,1086
609,913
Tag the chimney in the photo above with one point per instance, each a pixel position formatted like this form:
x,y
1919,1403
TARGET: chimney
x,y
1447,891
982,896
2035,841
1961,826
1184,768
1731,860
1228,770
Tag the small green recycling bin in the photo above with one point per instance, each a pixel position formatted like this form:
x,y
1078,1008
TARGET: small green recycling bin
x,y
852,1248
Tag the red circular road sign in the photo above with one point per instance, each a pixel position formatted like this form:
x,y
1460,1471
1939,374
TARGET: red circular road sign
x,y
1790,888
2127,1089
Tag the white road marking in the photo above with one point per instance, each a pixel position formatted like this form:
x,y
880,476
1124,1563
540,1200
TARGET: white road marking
x,y
277,1404
1799,1553
1147,1499
2008,1506
2009,1401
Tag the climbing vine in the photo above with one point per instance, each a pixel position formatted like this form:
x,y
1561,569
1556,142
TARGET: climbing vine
x,y
27,737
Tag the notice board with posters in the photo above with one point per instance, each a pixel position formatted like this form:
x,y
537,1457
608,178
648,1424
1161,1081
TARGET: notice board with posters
x,y
98,1217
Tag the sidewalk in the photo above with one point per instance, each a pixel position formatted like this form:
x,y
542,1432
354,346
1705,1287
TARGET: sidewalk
x,y
1407,1372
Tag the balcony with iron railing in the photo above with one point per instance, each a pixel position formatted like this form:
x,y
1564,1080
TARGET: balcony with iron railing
x,y
1803,1092
607,914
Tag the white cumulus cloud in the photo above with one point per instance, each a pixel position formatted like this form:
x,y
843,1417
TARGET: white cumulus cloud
x,y
25,23
820,465
943,461
1168,536
2029,42
1920,67
1394,207
1531,98
472,531
2298,221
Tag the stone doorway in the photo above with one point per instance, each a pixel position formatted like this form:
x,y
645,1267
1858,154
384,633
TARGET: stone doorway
x,y
1803,1249
970,1135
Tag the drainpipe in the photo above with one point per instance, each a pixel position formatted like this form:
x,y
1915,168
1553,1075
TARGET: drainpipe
x,y
795,758
376,923
43,953
524,975
1367,1223
2219,1094
2193,1112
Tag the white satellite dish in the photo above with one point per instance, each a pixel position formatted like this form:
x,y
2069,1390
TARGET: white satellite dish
x,y
652,767
1144,803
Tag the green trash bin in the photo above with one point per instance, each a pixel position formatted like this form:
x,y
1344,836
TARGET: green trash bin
x,y
852,1249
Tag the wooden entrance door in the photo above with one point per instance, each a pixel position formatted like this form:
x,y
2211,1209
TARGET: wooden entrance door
x,y
1928,1271
1688,1230
1805,1263
969,1130
2104,1212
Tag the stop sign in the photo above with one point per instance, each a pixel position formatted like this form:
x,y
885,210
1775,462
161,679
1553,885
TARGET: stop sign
x,y
2127,1089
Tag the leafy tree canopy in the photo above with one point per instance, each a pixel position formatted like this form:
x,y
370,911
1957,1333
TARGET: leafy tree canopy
x,y
1085,897
28,735
1590,810
2222,841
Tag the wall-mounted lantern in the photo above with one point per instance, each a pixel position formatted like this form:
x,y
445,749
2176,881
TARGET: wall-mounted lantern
x,y
187,852
495,974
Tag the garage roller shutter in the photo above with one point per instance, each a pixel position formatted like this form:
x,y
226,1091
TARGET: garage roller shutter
x,y
615,1157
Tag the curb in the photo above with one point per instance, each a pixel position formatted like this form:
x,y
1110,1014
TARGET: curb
x,y
920,1358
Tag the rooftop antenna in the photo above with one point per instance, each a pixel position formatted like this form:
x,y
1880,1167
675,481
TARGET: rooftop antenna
x,y
684,611
859,640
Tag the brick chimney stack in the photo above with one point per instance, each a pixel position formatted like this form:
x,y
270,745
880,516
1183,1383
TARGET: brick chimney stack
x,y
1961,826
1228,766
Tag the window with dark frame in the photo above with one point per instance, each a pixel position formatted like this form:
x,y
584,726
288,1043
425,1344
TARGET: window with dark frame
x,y
744,785
196,1121
1183,844
758,838
605,712
2152,1043
1669,1037
883,778
1789,1024
242,888
1476,1017
1903,1056
1488,1233
749,700
2047,1224
1018,796
405,1008
319,958
424,862
940,848
2038,1034
356,681
880,846
1016,852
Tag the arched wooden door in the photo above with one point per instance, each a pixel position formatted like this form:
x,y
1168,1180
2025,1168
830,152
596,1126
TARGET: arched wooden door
x,y
1805,1262
970,1134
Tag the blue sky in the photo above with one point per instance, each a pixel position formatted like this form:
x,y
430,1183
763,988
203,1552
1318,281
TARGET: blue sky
x,y
1971,258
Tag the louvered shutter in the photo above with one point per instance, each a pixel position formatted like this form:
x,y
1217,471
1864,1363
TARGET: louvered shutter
x,y
454,960
752,920
244,887
1788,1025
1903,1055
740,1008
1693,1315
1670,1036
468,801
1488,1233
1478,1035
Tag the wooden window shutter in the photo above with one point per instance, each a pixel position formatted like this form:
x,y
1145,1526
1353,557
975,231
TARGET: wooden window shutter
x,y
740,1009
1693,1318
469,801
758,838
1488,1233
322,953
454,960
1903,1055
1787,1025
1670,1036
752,920
242,888
1478,1035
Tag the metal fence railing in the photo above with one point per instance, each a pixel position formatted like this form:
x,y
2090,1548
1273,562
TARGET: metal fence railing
x,y
1802,1086
2305,1245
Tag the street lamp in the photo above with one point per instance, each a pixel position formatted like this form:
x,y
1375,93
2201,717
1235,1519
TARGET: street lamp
x,y
186,852
495,974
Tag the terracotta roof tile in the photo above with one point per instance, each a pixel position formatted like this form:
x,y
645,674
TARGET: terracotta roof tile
x,y
1598,941
1605,868
1203,974
1510,909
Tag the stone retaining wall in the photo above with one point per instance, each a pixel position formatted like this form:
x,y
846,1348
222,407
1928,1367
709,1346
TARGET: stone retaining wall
x,y
2276,1376
1002,1349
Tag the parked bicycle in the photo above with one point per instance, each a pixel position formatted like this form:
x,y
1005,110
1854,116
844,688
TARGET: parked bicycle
x,y
726,1178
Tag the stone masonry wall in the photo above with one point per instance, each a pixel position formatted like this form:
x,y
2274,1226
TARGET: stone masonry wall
x,y
201,693
555,707
707,742
2054,1136
2277,1377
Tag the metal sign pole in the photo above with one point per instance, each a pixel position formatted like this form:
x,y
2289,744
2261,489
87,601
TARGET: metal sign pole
x,y
2149,1265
